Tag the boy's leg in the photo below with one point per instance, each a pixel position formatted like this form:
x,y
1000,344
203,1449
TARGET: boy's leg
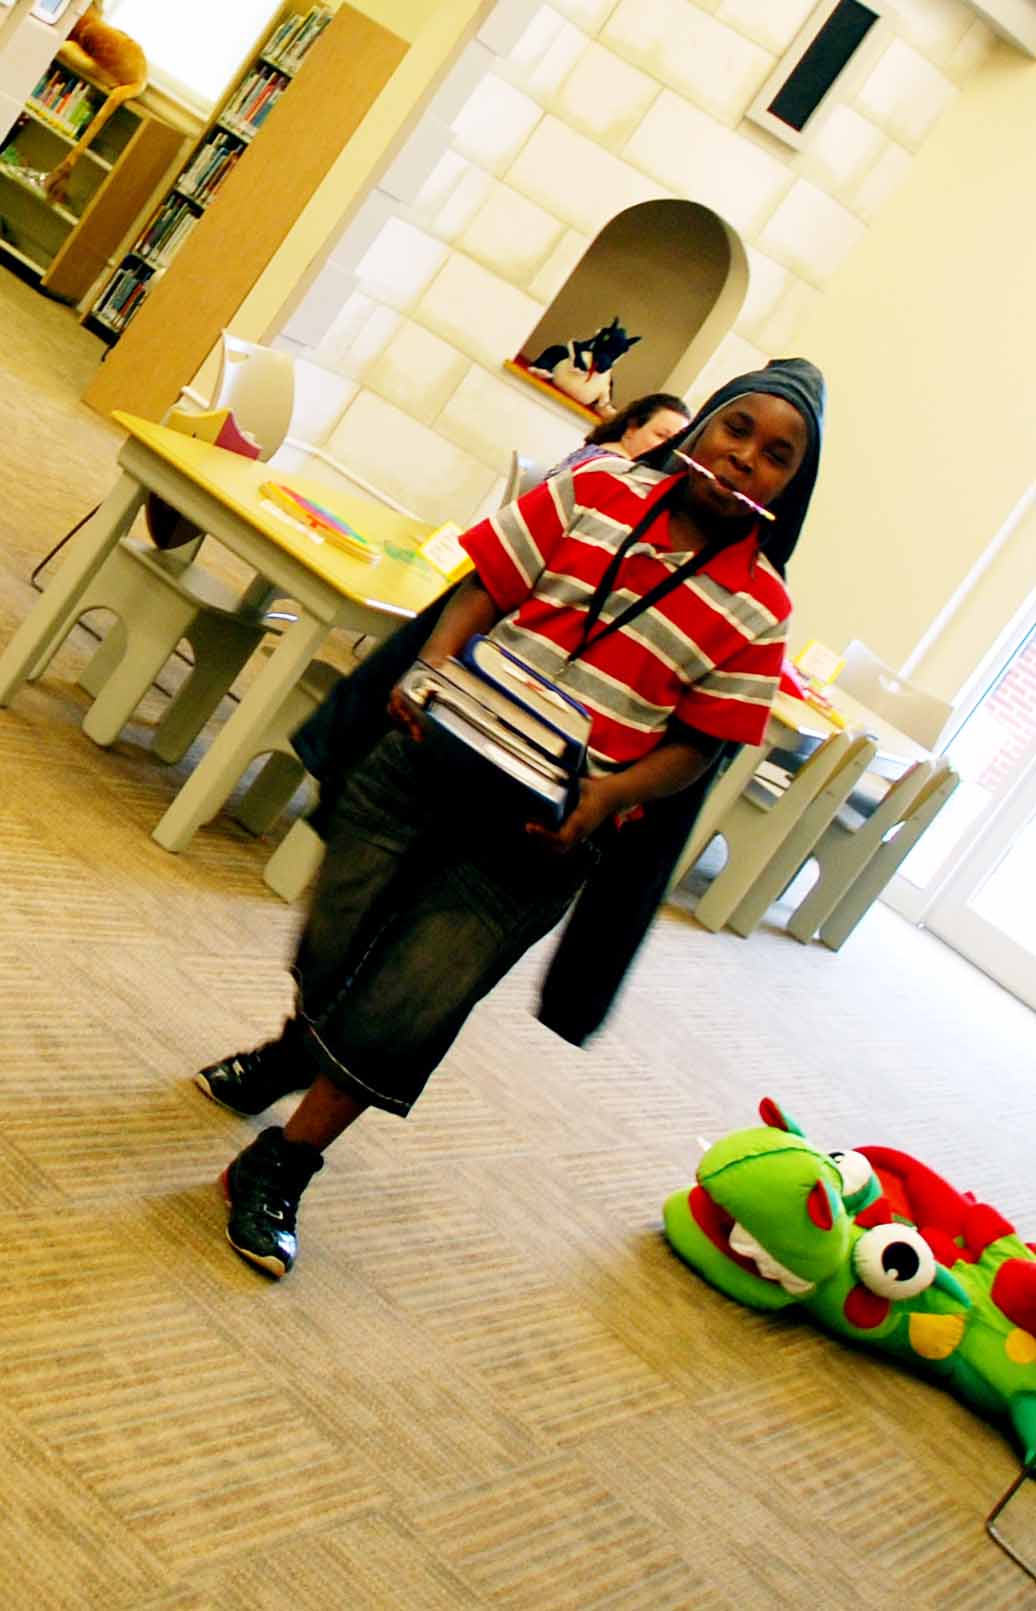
x,y
322,1115
419,912
444,938
379,819
457,932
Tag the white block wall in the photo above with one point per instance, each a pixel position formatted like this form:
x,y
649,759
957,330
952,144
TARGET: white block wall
x,y
556,118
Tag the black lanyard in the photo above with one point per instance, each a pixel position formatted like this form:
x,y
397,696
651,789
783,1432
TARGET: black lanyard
x,y
601,592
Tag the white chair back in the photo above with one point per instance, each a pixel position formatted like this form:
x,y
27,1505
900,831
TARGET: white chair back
x,y
523,475
258,383
921,716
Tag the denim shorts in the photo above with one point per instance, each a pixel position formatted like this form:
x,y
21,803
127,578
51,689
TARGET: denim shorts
x,y
426,898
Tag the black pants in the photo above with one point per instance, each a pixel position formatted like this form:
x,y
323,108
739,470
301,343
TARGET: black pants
x,y
424,902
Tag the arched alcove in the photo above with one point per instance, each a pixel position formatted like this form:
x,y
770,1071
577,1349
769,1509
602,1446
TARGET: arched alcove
x,y
676,275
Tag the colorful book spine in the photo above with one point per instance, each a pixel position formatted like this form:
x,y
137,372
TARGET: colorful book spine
x,y
165,234
288,44
257,95
212,164
64,100
125,293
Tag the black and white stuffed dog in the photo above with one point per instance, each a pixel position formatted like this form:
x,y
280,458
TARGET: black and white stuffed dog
x,y
583,369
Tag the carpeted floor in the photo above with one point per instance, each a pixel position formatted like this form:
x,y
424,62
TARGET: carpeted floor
x,y
488,1382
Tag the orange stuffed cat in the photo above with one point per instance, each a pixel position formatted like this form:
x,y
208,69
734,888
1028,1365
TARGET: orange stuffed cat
x,y
106,53
111,59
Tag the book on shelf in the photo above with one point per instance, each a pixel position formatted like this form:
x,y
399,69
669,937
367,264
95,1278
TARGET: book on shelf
x,y
124,295
203,176
256,98
288,44
165,234
64,100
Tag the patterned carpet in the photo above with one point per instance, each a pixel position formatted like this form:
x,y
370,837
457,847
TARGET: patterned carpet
x,y
488,1382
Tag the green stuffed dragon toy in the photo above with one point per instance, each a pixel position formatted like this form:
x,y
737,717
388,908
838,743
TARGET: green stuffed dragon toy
x,y
878,1249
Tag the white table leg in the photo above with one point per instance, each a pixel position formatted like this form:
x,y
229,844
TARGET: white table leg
x,y
86,553
230,752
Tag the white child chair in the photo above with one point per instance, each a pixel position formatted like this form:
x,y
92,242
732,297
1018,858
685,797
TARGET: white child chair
x,y
523,474
761,823
160,598
282,773
858,855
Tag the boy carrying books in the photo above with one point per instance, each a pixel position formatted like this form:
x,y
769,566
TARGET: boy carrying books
x,y
653,598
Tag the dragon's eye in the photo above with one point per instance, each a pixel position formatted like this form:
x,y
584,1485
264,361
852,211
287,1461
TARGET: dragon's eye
x,y
894,1261
855,1171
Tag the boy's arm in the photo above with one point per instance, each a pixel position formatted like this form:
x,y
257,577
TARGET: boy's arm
x,y
470,610
673,766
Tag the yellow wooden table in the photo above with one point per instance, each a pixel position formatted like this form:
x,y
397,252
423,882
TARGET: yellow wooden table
x,y
219,492
800,728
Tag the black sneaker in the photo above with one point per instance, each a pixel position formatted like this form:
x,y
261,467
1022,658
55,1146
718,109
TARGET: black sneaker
x,y
262,1187
247,1082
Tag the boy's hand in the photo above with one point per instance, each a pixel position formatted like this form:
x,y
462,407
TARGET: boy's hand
x,y
405,714
594,806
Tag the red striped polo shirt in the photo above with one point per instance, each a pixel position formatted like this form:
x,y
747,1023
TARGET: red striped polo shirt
x,y
709,653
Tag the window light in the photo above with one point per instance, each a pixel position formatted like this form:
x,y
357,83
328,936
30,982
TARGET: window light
x,y
194,48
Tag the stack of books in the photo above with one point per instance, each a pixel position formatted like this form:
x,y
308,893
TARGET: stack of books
x,y
288,44
64,100
255,100
166,232
210,167
522,738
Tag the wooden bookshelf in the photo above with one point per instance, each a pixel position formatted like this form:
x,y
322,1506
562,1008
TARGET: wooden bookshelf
x,y
65,246
236,226
236,120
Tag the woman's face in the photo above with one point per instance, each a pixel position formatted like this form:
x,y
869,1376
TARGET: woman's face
x,y
664,423
753,445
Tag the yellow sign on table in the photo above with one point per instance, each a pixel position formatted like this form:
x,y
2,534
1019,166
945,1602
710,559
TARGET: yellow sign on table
x,y
443,550
820,664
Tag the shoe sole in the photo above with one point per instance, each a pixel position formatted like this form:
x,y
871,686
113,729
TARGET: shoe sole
x,y
271,1266
243,1113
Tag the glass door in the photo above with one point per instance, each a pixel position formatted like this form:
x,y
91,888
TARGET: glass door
x,y
972,877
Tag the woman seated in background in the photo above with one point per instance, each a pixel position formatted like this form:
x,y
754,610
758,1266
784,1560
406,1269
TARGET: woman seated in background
x,y
645,423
